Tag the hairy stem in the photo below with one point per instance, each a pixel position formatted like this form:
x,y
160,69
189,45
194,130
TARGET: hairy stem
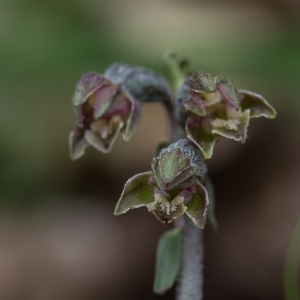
x,y
176,131
190,280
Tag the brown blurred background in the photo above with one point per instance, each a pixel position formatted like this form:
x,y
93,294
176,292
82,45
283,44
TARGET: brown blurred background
x,y
58,236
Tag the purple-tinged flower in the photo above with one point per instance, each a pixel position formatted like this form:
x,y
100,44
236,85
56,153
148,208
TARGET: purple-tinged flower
x,y
108,104
103,110
217,109
172,188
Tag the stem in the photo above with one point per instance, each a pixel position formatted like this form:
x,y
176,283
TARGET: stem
x,y
190,277
190,280
176,131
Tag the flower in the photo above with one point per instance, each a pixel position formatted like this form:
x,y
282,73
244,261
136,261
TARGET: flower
x,y
217,109
172,188
103,110
108,104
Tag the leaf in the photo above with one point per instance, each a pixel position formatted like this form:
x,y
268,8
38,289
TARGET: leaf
x,y
168,259
258,105
136,193
198,205
291,269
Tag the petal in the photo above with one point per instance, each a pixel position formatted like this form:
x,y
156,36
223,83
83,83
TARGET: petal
x,y
136,193
231,95
104,98
104,145
120,106
258,105
167,211
240,134
161,215
133,120
195,105
198,205
197,134
77,143
86,86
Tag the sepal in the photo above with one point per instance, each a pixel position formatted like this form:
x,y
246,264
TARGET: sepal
x,y
257,104
203,82
198,205
136,193
77,143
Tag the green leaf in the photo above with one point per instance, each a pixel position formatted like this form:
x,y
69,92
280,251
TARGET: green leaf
x,y
211,218
136,193
168,259
198,205
258,105
291,270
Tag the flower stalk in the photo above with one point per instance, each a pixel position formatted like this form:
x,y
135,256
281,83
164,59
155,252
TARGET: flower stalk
x,y
190,279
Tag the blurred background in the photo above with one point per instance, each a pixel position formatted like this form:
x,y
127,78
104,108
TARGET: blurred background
x,y
58,236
